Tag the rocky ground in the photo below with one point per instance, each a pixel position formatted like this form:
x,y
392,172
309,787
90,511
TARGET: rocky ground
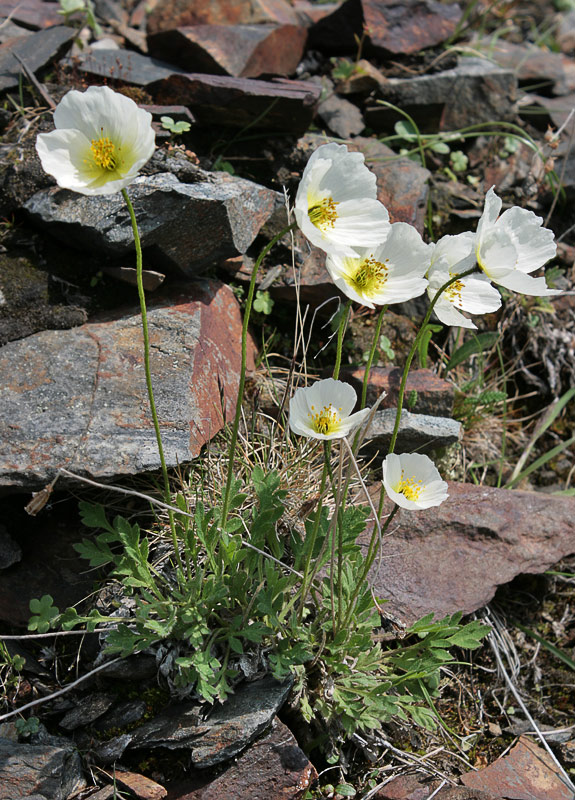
x,y
444,101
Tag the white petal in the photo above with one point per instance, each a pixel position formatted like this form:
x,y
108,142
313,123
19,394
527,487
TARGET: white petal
x,y
534,245
518,281
333,392
405,251
454,254
478,296
449,315
490,213
496,253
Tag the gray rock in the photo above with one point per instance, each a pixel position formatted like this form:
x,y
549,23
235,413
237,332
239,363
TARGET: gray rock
x,y
186,226
78,398
28,769
35,51
89,709
341,117
125,714
124,65
226,732
475,91
417,432
10,552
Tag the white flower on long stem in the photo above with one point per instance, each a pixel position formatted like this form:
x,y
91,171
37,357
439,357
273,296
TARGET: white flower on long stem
x,y
412,481
473,293
323,410
336,205
510,246
391,272
102,139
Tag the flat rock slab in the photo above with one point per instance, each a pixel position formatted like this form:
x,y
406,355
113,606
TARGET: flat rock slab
x,y
273,767
28,769
124,65
169,14
453,557
36,14
35,51
417,432
78,398
527,773
183,226
228,729
434,395
281,105
246,51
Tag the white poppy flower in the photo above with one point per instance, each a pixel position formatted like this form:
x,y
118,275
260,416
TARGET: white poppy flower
x,y
510,246
474,293
323,410
412,481
336,205
101,141
391,272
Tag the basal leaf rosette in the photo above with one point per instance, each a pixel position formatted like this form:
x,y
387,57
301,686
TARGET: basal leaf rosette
x,y
412,481
102,140
392,272
323,410
336,205
510,246
474,293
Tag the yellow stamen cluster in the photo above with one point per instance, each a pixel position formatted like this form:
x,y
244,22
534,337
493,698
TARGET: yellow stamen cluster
x,y
370,276
409,487
323,214
453,292
325,421
104,153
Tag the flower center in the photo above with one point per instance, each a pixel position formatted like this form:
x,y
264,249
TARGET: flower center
x,y
325,421
370,275
453,292
323,214
409,487
104,153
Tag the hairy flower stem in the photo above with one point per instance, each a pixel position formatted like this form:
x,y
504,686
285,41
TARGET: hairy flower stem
x,y
306,580
412,352
148,373
340,333
242,382
372,353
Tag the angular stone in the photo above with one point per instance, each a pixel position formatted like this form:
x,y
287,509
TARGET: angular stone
x,y
169,14
27,769
124,65
434,395
273,767
9,30
144,788
392,26
89,709
417,432
35,51
530,63
453,557
284,105
526,772
245,51
407,787
308,13
125,714
35,14
78,398
344,119
228,730
182,226
474,91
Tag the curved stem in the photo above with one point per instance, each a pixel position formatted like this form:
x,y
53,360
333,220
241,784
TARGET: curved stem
x,y
372,353
340,333
242,382
147,370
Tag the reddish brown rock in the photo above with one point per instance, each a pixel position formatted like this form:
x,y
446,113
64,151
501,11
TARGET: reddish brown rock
x,y
308,13
282,105
42,770
392,26
365,78
245,51
78,398
168,14
144,788
273,767
407,787
530,63
434,395
527,772
453,557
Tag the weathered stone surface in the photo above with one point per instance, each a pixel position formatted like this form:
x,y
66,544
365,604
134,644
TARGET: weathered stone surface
x,y
308,12
527,772
27,769
343,118
273,767
123,65
125,714
392,26
35,51
228,730
246,51
89,709
407,787
35,14
417,432
530,63
78,399
144,788
169,14
453,557
285,106
9,30
475,91
183,226
26,305
434,395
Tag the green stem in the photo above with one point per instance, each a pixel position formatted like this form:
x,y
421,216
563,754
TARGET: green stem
x,y
372,353
148,373
242,382
311,543
340,333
